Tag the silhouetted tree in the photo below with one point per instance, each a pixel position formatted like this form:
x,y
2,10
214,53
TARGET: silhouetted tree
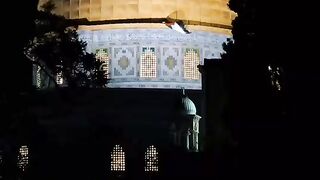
x,y
274,33
15,70
15,76
256,88
57,49
256,65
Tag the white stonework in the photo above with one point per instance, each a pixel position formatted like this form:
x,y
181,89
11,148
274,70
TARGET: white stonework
x,y
125,49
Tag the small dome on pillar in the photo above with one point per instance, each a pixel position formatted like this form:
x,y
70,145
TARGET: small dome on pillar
x,y
188,107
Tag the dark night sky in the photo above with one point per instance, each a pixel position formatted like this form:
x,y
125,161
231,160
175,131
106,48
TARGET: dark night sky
x,y
294,28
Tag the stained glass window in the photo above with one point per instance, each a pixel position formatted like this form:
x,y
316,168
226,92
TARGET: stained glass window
x,y
151,160
103,56
23,158
191,61
148,65
118,159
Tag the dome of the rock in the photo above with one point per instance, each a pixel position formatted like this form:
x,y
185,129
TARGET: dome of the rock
x,y
139,49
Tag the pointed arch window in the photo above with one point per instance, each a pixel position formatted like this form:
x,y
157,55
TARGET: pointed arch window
x,y
151,159
118,159
102,55
148,64
275,77
23,158
191,62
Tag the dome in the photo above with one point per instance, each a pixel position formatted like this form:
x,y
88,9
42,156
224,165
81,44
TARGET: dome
x,y
196,12
138,50
188,107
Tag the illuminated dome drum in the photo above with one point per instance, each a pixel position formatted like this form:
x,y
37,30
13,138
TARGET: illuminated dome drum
x,y
140,50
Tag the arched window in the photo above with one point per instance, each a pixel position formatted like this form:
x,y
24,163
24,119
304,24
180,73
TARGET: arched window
x,y
118,159
191,61
23,158
103,56
148,64
151,159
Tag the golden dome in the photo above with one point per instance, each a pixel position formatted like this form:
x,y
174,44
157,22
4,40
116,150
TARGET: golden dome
x,y
198,12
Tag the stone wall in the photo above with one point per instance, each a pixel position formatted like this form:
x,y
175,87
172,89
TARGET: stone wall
x,y
124,49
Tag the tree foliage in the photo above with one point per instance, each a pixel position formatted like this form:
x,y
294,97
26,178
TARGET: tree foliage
x,y
57,49
256,33
255,60
243,42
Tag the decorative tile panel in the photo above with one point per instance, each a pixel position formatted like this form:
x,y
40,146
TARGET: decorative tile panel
x,y
155,58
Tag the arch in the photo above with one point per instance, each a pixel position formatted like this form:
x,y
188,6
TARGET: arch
x,y
148,64
118,159
191,62
151,159
102,55
23,158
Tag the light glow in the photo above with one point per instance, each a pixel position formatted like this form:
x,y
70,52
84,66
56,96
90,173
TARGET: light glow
x,y
148,65
59,78
191,62
118,159
103,56
151,160
23,158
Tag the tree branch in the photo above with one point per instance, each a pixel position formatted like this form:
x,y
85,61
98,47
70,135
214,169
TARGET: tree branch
x,y
51,77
